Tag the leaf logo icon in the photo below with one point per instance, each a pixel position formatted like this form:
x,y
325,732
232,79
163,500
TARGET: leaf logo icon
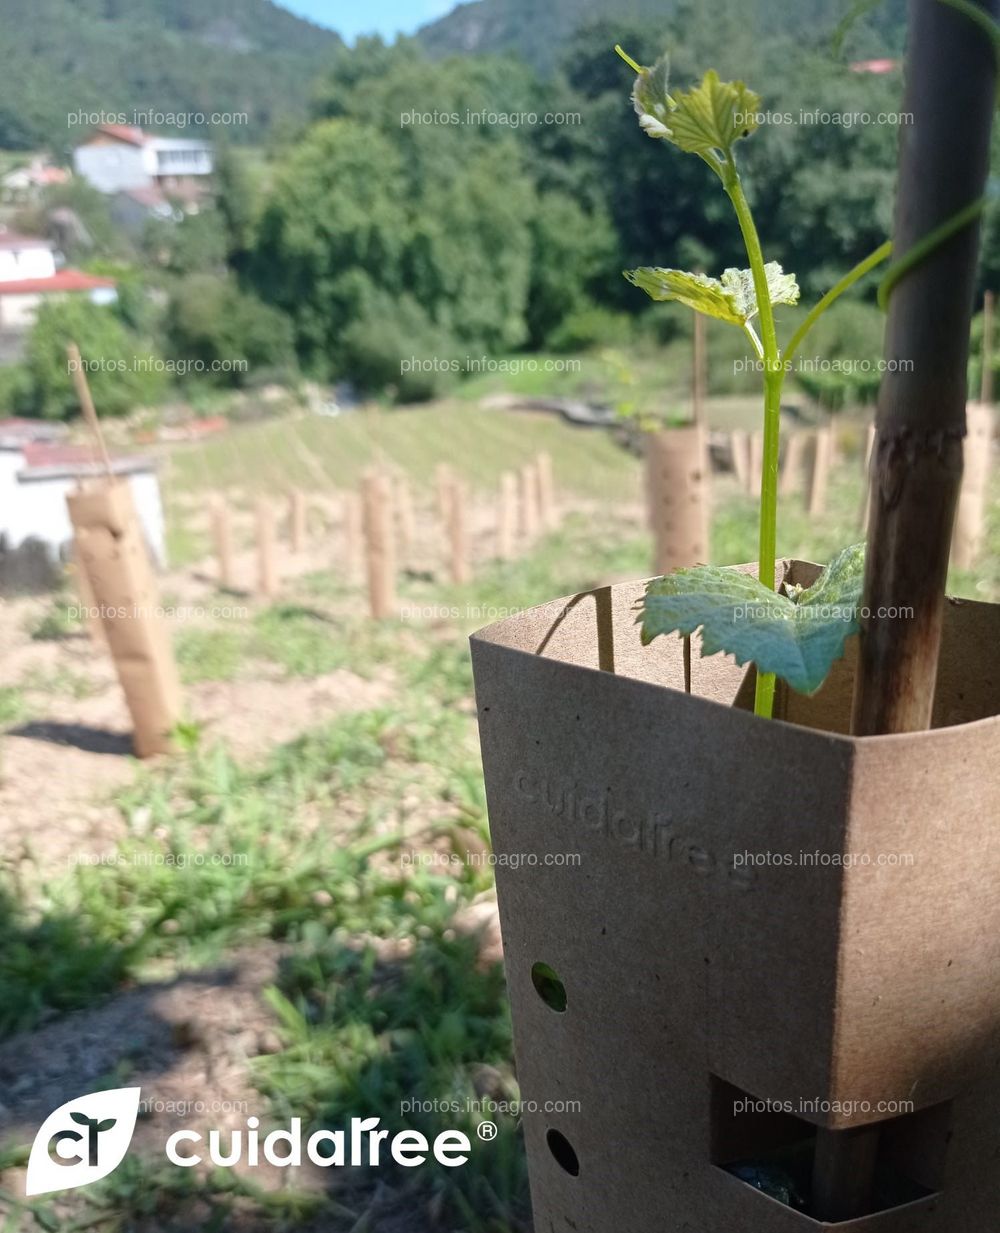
x,y
82,1141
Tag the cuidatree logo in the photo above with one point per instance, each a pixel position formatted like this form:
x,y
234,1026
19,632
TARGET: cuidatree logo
x,y
652,833
82,1141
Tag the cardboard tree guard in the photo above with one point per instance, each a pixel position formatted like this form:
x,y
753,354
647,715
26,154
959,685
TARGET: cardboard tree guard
x,y
677,495
692,974
111,551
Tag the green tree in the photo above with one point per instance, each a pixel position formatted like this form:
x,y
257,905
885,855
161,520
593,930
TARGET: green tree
x,y
351,214
198,243
233,337
122,370
573,254
333,229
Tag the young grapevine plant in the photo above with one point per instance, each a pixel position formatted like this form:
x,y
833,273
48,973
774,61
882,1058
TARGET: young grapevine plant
x,y
798,635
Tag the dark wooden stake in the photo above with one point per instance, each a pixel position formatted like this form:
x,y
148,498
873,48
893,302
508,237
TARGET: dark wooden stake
x,y
917,474
921,415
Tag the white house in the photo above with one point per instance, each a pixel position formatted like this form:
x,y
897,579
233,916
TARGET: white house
x,y
37,470
23,256
27,183
29,274
117,158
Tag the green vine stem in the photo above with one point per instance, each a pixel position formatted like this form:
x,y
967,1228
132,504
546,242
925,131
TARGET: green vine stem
x,y
774,379
846,283
919,252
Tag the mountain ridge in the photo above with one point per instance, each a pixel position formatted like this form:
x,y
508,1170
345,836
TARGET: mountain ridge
x,y
64,57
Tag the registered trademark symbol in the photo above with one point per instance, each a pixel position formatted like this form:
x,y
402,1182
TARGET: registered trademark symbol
x,y
487,1131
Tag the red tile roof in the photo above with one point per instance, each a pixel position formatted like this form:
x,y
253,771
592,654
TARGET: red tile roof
x,y
123,132
62,280
17,427
875,66
45,454
13,239
58,459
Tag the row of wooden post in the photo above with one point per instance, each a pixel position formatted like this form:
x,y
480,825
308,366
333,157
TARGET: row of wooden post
x,y
678,476
526,506
379,527
747,456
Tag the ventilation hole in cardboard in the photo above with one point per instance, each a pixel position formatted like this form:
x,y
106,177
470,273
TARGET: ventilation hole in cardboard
x,y
549,987
563,1153
766,1146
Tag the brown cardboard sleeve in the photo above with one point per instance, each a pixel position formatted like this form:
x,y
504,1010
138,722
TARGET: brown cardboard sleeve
x,y
110,548
677,493
628,822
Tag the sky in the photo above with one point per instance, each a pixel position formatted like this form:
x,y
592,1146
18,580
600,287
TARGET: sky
x,y
386,17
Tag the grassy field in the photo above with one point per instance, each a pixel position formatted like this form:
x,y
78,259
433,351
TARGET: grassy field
x,y
318,452
354,853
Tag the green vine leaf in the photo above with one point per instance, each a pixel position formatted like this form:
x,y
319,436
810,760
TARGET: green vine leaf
x,y
651,99
796,637
738,284
713,116
731,298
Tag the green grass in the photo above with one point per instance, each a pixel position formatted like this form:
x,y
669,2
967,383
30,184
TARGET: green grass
x,y
320,453
60,681
57,622
296,639
13,706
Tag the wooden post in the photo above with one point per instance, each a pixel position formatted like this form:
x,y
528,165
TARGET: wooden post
x,y
352,537
699,374
986,384
756,463
547,513
405,522
88,602
869,450
791,467
529,502
970,518
677,497
222,538
866,500
507,516
739,445
297,520
819,480
950,88
267,571
87,404
380,547
443,480
458,534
